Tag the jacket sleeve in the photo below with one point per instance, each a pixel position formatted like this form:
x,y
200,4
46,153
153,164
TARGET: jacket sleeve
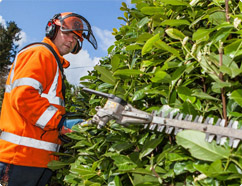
x,y
34,73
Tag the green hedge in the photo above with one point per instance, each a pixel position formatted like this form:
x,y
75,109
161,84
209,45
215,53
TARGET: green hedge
x,y
176,54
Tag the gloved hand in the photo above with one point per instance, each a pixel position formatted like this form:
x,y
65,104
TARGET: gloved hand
x,y
65,126
68,124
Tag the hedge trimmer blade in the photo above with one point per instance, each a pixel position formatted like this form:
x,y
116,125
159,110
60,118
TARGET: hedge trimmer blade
x,y
218,131
125,114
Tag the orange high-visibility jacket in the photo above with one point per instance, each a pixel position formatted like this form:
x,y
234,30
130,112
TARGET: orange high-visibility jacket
x,y
32,108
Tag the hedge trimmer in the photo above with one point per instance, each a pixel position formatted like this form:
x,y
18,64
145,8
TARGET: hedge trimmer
x,y
123,113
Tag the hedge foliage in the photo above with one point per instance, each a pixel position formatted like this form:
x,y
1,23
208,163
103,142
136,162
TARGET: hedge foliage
x,y
175,54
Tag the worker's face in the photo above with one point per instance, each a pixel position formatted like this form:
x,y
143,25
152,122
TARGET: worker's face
x,y
65,41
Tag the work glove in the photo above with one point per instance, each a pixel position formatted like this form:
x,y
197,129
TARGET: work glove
x,y
68,124
65,126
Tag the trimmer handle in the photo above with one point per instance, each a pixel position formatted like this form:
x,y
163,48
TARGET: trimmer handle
x,y
105,95
98,93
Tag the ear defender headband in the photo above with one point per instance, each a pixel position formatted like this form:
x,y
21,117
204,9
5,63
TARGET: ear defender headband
x,y
71,22
51,27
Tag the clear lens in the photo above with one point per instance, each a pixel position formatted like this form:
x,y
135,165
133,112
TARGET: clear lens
x,y
93,41
73,24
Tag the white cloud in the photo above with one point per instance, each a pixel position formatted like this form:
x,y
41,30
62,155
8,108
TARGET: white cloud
x,y
105,36
2,21
23,39
128,2
80,64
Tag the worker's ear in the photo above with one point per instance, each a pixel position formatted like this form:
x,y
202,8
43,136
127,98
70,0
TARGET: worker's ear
x,y
77,48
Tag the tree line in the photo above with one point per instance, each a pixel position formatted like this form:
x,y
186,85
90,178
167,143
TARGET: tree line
x,y
9,35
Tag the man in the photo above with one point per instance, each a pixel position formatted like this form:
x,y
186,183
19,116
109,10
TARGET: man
x,y
33,107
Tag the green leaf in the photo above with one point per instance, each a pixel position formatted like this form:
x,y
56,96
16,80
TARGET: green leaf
x,y
150,146
178,73
213,170
233,49
83,171
231,71
110,49
194,2
120,146
145,180
161,77
149,43
147,63
142,22
92,101
124,163
183,167
140,94
106,76
177,157
102,87
217,18
89,183
185,94
216,86
175,22
169,64
87,77
203,95
133,47
75,136
236,95
141,171
175,34
115,181
189,108
221,34
151,10
195,142
174,2
55,165
164,46
115,62
127,72
240,6
202,34
143,37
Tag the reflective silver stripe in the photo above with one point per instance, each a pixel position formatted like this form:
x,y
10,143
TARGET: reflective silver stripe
x,y
28,81
25,81
52,91
29,142
37,85
8,88
54,100
46,116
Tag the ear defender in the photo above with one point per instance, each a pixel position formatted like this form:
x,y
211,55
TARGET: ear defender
x,y
51,28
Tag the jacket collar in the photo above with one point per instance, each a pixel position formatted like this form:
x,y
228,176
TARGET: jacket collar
x,y
64,62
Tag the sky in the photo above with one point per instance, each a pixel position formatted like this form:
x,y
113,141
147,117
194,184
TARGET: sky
x,y
31,16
